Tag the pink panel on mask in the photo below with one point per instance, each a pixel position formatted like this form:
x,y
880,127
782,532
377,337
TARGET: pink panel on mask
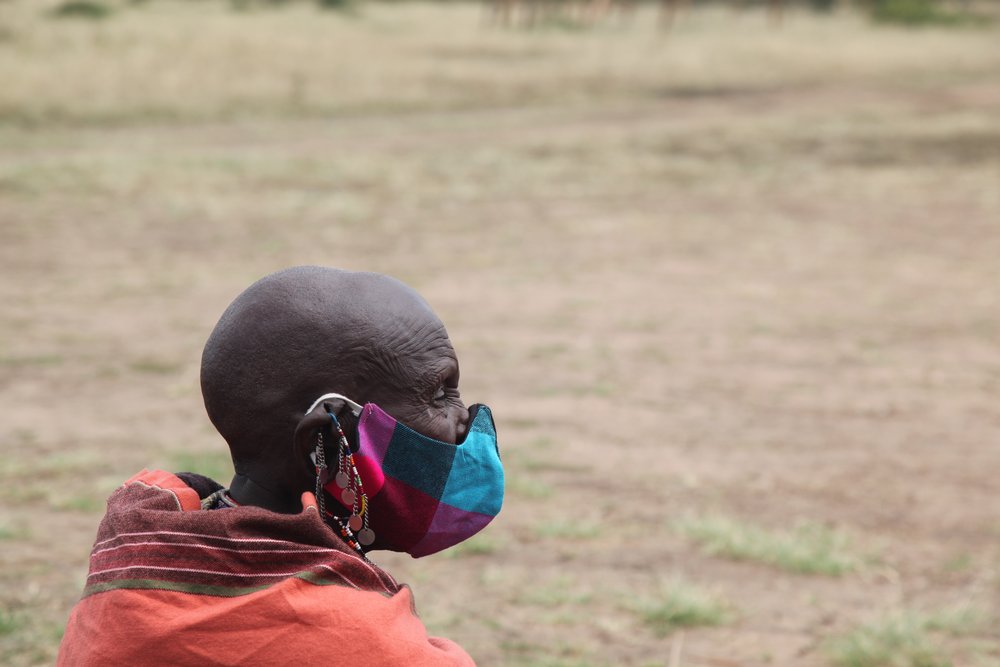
x,y
374,433
372,477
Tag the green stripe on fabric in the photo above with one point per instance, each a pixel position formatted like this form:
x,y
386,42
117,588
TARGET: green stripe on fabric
x,y
320,579
315,578
176,586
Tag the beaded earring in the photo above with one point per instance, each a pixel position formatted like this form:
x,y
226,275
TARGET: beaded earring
x,y
322,474
345,526
352,493
338,523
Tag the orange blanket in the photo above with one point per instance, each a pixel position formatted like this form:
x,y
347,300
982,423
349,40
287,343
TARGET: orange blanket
x,y
172,584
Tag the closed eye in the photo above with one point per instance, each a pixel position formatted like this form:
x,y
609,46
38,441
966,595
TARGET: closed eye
x,y
446,394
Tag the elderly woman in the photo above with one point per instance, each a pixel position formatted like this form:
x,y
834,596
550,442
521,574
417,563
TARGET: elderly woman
x,y
337,393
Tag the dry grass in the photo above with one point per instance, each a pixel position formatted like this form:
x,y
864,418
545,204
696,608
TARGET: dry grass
x,y
166,61
728,269
807,548
679,604
905,639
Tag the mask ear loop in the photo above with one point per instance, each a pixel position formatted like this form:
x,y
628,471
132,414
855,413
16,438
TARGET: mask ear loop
x,y
352,491
354,407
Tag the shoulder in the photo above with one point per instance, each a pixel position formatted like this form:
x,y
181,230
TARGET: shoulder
x,y
158,484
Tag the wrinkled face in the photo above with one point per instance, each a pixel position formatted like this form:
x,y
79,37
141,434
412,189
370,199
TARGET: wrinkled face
x,y
415,379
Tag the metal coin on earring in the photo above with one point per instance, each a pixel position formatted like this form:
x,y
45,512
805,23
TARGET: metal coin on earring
x,y
355,522
366,536
348,497
342,479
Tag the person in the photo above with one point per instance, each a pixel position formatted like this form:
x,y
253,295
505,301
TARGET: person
x,y
337,393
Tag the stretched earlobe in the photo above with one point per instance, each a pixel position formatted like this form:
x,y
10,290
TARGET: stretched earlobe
x,y
316,422
334,470
307,431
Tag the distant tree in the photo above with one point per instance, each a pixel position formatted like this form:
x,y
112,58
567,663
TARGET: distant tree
x,y
918,12
82,9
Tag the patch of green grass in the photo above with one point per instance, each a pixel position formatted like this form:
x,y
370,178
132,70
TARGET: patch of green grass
x,y
27,437
957,621
480,545
28,639
26,472
682,605
919,13
10,622
532,654
528,488
23,493
581,389
526,423
571,660
959,563
520,647
55,631
155,366
11,532
492,576
73,462
336,5
567,617
808,548
545,465
905,639
568,530
217,465
542,442
82,9
76,503
562,591
31,361
547,351
601,389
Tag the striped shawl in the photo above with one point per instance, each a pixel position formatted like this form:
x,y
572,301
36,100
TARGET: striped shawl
x,y
170,583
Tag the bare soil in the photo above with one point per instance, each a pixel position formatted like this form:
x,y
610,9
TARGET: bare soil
x,y
774,300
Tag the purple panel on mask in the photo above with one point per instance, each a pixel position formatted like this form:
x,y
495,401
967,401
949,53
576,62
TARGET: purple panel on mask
x,y
447,523
375,432
401,515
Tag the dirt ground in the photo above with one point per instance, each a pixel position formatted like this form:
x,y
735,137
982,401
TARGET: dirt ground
x,y
729,271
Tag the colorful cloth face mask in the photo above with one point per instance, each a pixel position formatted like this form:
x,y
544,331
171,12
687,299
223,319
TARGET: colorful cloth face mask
x,y
424,495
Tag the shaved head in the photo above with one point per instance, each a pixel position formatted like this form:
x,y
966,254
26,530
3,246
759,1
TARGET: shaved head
x,y
306,331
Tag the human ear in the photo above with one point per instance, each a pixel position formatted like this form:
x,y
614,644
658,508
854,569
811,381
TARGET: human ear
x,y
312,424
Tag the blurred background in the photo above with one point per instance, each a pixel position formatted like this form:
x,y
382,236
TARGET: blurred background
x,y
726,271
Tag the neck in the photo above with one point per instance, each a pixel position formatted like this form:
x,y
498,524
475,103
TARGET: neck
x,y
246,491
